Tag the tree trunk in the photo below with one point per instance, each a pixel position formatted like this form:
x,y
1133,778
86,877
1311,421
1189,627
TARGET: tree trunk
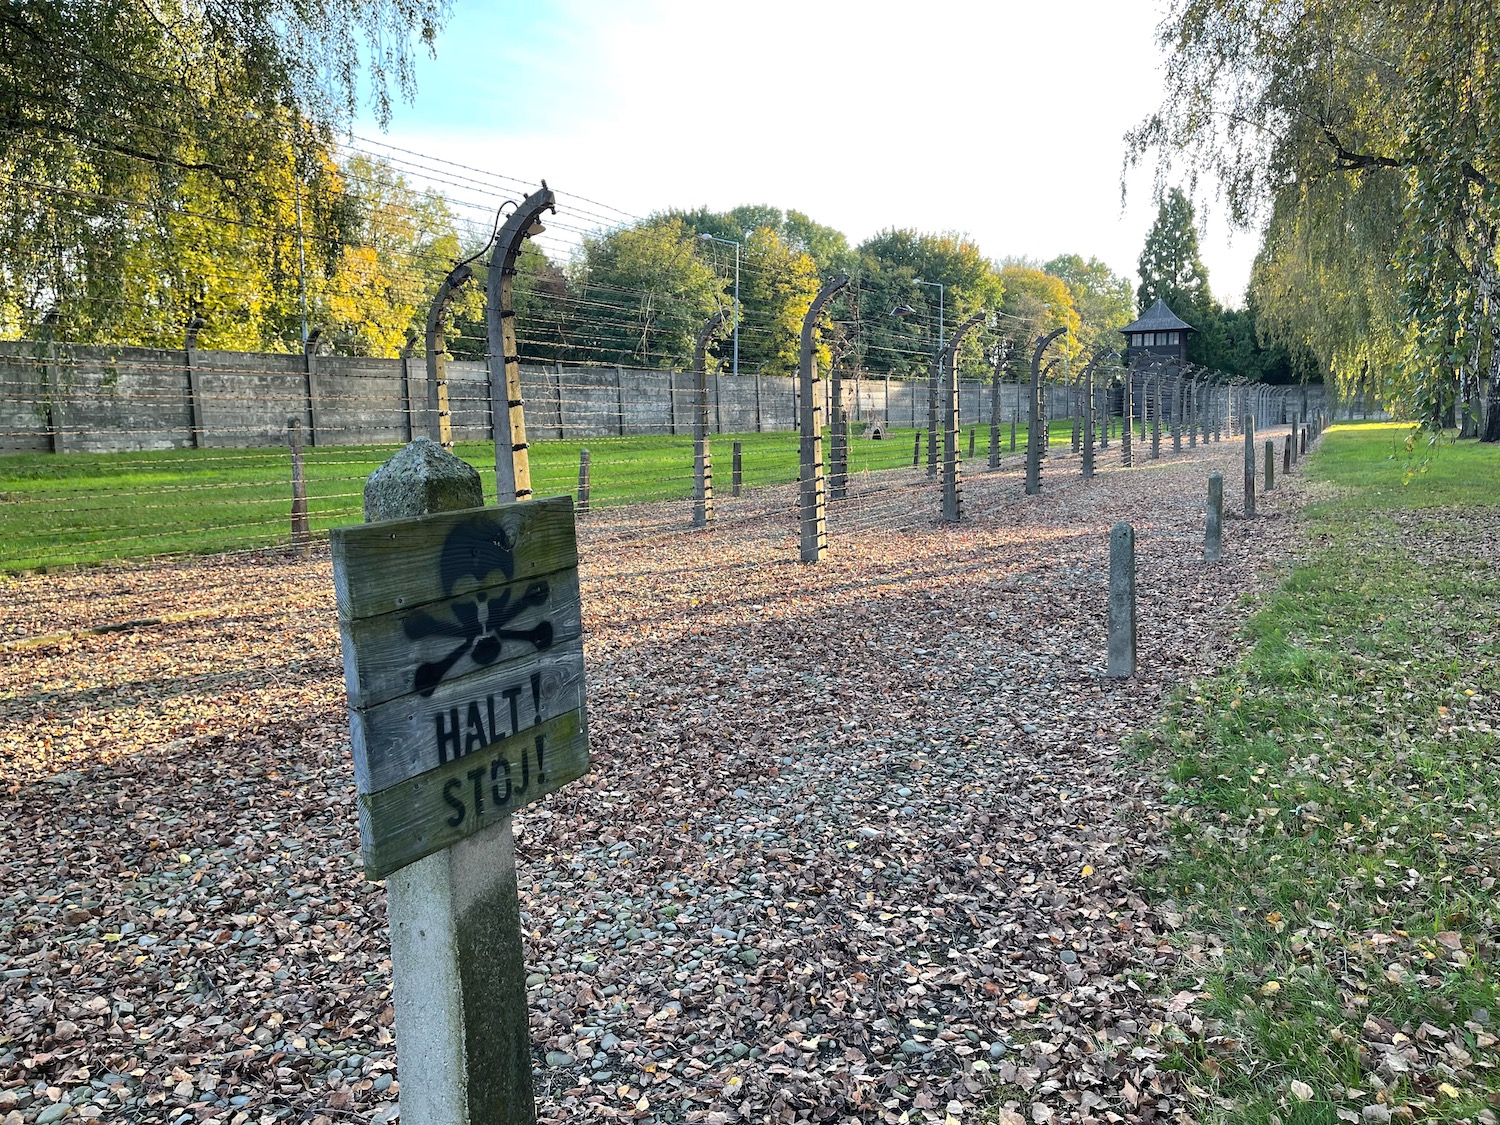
x,y
1489,429
1468,391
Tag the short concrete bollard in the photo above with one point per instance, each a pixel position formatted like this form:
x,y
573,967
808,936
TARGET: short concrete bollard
x,y
916,449
1270,464
582,505
1213,526
1286,456
1249,467
1121,601
736,470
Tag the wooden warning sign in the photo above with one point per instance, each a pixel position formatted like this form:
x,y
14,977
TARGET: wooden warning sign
x,y
463,660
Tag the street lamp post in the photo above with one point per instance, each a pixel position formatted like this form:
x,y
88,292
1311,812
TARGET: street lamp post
x,y
735,362
932,381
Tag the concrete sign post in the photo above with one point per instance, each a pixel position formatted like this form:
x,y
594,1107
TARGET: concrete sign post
x,y
463,660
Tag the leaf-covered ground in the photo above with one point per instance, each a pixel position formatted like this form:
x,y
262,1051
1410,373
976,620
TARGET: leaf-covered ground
x,y
1334,844
857,845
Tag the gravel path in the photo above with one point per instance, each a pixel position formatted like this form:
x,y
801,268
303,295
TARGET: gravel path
x,y
859,844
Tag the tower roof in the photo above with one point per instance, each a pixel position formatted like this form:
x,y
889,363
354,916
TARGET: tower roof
x,y
1159,318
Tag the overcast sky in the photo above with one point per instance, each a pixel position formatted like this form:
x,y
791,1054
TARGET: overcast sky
x,y
1002,120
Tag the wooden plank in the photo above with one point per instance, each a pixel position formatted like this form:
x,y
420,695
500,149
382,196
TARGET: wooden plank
x,y
401,738
436,809
413,649
401,564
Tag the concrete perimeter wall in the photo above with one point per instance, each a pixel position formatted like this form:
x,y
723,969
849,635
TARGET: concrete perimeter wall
x,y
114,399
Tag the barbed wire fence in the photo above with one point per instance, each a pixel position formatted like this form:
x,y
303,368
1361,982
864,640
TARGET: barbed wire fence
x,y
177,450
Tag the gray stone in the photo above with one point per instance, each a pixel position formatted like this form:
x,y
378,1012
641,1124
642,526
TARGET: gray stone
x,y
912,1047
748,956
559,1059
739,1050
421,479
55,1112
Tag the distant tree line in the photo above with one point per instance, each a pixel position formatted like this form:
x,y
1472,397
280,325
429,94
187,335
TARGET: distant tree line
x,y
163,169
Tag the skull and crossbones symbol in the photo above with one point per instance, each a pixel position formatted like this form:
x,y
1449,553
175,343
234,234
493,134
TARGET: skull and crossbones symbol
x,y
476,549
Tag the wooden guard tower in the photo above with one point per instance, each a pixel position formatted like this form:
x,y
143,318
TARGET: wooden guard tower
x,y
1158,334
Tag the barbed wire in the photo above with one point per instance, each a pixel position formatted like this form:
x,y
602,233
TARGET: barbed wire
x,y
134,503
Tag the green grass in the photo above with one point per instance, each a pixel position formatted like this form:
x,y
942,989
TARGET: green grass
x,y
1335,845
88,508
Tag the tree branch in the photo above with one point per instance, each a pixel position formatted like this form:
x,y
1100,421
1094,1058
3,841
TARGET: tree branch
x,y
55,128
1349,161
